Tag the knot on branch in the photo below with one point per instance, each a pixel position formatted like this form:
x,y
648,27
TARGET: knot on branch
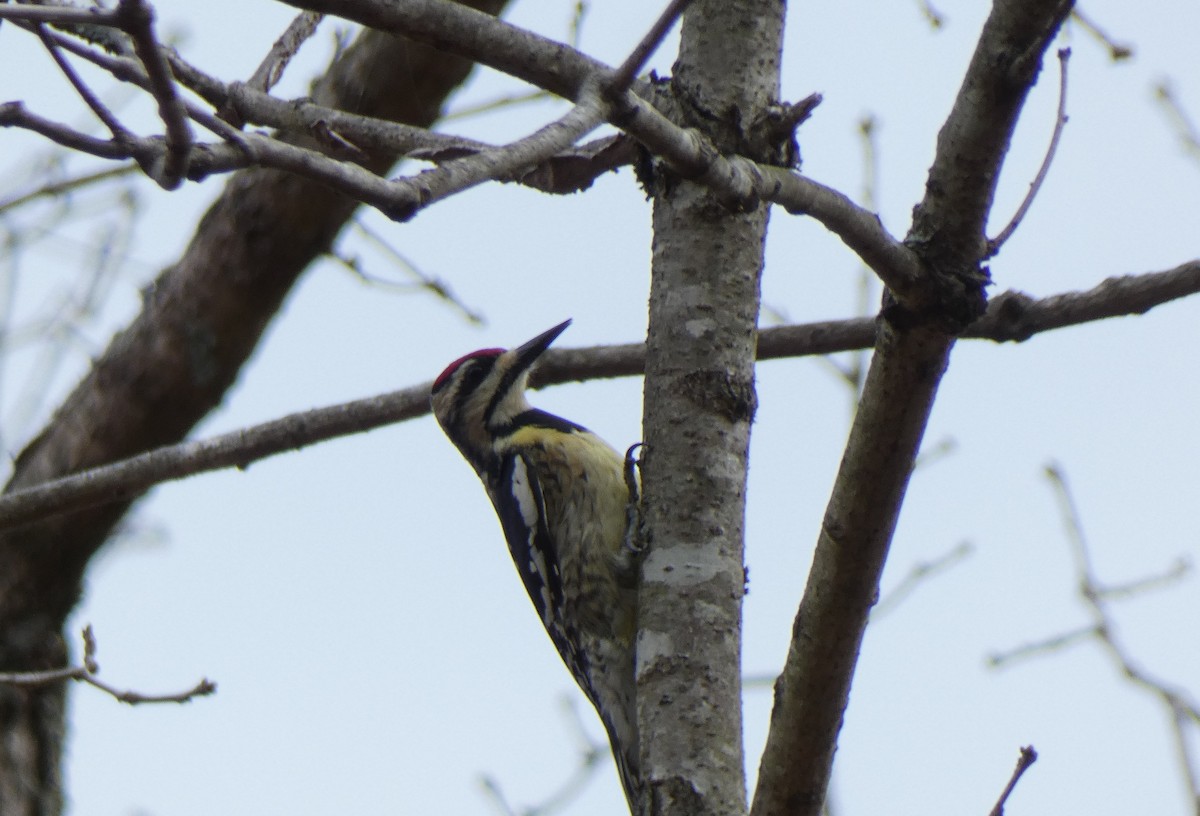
x,y
778,124
1008,319
948,298
733,398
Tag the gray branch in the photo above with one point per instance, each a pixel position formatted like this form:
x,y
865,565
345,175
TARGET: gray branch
x,y
1011,317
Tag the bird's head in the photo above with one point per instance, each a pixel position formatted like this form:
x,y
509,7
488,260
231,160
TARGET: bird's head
x,y
483,391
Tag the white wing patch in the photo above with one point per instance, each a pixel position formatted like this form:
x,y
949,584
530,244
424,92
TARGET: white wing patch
x,y
524,493
527,495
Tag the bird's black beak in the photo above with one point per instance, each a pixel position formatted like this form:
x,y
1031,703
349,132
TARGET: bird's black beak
x,y
527,353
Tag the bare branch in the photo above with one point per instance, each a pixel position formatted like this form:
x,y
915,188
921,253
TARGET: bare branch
x,y
911,354
1182,124
1027,758
414,194
1090,593
1019,317
1179,570
1060,123
127,478
861,230
593,756
1116,51
918,574
430,283
1179,705
271,69
58,188
623,77
137,19
480,37
1056,643
738,182
365,132
86,673
14,114
935,18
62,15
118,131
472,161
948,225
1010,318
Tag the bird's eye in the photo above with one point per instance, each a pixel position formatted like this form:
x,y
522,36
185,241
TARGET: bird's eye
x,y
474,367
476,371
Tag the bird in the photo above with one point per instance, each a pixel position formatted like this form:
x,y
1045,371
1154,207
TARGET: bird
x,y
563,497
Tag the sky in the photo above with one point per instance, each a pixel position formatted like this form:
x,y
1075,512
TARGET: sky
x,y
355,602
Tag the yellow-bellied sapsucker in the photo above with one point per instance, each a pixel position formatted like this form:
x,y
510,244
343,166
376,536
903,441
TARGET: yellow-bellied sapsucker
x,y
562,495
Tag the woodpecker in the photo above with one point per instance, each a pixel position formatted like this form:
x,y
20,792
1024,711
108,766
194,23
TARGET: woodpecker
x,y
563,496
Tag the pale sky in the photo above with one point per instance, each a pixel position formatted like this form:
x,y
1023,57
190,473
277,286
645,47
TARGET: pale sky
x,y
355,601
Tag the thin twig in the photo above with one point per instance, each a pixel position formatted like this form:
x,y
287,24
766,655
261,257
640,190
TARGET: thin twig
x,y
62,15
1181,718
263,109
1116,51
58,188
495,104
994,245
623,77
918,574
737,182
1183,125
118,131
1172,574
935,18
137,20
409,196
86,673
1027,758
591,758
575,28
1102,630
430,283
271,69
15,114
1057,643
867,296
130,477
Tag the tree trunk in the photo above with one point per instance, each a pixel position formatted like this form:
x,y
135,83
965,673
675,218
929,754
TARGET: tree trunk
x,y
699,402
200,322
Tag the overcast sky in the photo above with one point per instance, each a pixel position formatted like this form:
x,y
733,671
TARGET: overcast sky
x,y
355,601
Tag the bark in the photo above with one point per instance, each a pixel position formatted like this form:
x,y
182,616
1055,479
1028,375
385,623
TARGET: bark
x,y
699,402
200,321
917,331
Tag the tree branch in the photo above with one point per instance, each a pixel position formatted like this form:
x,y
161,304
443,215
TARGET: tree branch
x,y
545,160
61,15
200,321
15,114
699,402
916,333
1012,317
1179,705
1027,758
1060,122
270,70
627,72
948,225
740,184
87,672
137,19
